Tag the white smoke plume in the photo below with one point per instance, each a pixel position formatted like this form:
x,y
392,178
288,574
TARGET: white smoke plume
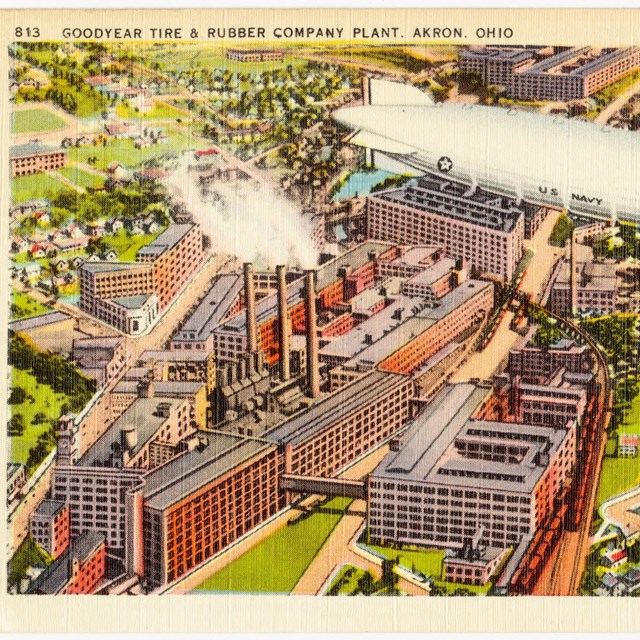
x,y
246,219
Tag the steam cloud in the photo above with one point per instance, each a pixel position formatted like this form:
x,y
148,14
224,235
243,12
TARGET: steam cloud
x,y
246,219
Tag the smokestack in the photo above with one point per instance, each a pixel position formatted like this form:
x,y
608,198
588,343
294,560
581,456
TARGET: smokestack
x,y
313,369
573,285
283,324
250,297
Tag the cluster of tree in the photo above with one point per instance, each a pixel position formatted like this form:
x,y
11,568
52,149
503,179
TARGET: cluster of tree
x,y
548,332
122,202
391,182
51,369
473,82
562,230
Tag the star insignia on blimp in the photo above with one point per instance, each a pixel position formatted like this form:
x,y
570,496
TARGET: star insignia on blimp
x,y
445,164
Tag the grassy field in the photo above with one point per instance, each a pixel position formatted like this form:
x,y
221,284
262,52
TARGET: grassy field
x,y
45,400
128,246
34,120
429,562
81,177
39,185
346,582
124,151
157,112
25,306
618,475
277,563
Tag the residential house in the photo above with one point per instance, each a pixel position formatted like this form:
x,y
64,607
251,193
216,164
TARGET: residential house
x,y
42,217
114,225
19,244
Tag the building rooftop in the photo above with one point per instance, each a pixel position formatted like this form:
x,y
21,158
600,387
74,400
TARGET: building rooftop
x,y
132,302
458,201
105,266
13,468
174,355
433,449
30,149
498,54
186,473
168,239
39,321
49,508
143,414
98,342
335,407
212,310
57,575
389,337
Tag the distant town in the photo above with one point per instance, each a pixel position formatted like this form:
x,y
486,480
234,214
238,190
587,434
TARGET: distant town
x,y
241,331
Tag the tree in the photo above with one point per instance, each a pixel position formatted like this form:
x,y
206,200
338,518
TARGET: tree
x,y
15,426
18,395
366,583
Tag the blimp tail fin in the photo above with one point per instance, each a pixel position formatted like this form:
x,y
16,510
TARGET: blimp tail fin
x,y
386,92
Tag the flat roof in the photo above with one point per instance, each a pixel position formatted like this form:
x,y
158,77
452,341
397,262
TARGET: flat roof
x,y
174,355
166,240
429,451
391,338
49,508
104,266
132,302
186,473
97,342
498,54
439,196
335,407
39,321
143,416
212,310
266,308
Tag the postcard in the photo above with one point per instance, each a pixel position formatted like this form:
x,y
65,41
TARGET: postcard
x,y
321,320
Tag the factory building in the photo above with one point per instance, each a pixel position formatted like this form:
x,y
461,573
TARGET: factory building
x,y
222,301
544,74
451,475
484,229
131,295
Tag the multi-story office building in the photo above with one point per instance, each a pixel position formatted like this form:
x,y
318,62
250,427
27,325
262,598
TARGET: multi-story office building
x,y
452,475
484,229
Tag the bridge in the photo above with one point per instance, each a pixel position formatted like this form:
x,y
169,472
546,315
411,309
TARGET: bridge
x,y
324,486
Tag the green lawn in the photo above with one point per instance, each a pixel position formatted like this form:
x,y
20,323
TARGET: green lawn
x,y
610,93
346,583
126,246
34,120
277,563
429,562
81,177
618,475
45,400
24,306
39,185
